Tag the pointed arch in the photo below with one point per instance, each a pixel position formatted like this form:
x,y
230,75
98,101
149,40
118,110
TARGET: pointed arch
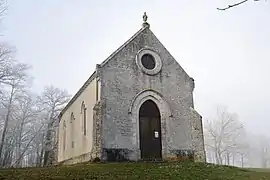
x,y
165,117
72,118
83,118
149,124
64,135
149,93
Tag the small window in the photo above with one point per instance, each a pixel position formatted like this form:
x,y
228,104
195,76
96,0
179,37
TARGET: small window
x,y
148,61
97,90
72,118
83,113
72,144
64,135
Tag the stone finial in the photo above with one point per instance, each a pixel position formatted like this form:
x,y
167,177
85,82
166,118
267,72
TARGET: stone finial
x,y
145,23
145,17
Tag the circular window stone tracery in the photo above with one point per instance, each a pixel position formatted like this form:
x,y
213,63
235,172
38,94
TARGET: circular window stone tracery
x,y
149,61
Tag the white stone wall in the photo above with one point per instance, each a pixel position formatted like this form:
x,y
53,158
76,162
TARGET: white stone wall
x,y
83,144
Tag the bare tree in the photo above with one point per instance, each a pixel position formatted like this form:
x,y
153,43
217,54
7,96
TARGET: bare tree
x,y
221,134
26,116
53,100
27,123
14,88
234,5
38,143
22,153
241,151
263,150
3,8
10,69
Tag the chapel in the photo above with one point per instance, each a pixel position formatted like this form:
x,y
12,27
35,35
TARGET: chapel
x,y
137,105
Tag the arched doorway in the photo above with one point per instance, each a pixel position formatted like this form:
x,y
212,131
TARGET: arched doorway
x,y
150,131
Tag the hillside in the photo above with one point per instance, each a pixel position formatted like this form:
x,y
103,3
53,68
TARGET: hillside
x,y
155,171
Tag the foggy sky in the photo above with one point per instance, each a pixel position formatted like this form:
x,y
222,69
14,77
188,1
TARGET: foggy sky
x,y
226,52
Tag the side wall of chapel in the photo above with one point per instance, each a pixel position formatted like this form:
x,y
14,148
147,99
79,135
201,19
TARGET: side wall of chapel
x,y
76,141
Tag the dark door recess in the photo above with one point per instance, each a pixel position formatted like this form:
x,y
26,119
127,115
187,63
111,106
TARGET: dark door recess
x,y
150,131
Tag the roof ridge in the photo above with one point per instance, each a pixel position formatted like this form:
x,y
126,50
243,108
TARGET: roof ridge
x,y
102,64
122,46
79,92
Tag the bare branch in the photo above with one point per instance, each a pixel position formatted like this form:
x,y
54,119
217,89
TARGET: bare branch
x,y
11,70
233,5
53,101
221,134
28,144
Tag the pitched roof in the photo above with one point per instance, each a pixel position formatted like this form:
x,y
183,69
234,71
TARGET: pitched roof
x,y
121,47
89,80
92,77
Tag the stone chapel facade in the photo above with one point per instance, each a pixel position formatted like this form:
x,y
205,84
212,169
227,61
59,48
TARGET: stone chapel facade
x,y
137,105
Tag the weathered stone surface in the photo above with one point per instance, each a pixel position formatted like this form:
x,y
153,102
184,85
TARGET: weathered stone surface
x,y
116,154
171,89
181,155
78,159
54,151
197,136
97,136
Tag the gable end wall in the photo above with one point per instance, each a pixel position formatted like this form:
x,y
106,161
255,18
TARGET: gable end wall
x,y
122,81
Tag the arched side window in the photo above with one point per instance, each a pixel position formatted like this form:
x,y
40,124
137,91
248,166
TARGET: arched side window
x,y
64,135
83,113
72,118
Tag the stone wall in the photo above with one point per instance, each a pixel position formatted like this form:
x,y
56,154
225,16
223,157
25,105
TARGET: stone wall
x,y
78,159
95,153
53,155
97,124
122,80
115,116
197,136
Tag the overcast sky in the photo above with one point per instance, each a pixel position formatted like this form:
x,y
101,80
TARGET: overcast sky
x,y
227,53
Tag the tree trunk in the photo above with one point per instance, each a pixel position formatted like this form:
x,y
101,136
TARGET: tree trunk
x,y
48,146
6,124
242,160
19,163
48,141
228,157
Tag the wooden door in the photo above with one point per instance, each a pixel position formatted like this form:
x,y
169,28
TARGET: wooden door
x,y
150,131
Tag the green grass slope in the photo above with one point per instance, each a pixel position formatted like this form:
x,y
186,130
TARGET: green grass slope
x,y
155,171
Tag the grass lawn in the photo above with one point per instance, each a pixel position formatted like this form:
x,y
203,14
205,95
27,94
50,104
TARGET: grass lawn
x,y
155,171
